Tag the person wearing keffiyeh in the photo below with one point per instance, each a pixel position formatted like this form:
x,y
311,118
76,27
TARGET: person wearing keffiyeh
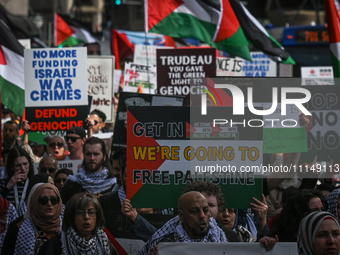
x,y
95,176
193,224
42,221
82,230
333,201
319,233
7,215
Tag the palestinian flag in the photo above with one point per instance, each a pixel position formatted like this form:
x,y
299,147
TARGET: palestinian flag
x,y
12,85
258,35
214,24
68,32
333,19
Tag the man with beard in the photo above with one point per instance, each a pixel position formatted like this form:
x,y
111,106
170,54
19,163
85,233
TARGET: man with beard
x,y
95,176
193,224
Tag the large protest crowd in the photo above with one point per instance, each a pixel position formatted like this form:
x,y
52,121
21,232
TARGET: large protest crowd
x,y
56,211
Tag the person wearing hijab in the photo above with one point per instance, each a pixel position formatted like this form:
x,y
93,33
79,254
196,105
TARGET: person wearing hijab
x,y
333,200
19,171
7,215
42,221
81,230
319,233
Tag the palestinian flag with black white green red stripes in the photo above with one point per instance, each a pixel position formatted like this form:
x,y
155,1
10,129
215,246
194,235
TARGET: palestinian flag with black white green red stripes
x,y
12,83
196,19
226,25
333,21
68,32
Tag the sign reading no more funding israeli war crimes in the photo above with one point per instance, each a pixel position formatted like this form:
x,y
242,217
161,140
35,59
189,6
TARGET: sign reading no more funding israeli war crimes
x,y
170,147
56,88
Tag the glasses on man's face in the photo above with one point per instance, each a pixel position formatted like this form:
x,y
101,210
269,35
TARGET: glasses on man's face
x,y
72,138
53,145
59,180
82,213
49,169
44,200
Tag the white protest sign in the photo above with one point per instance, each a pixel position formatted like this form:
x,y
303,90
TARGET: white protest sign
x,y
229,67
226,248
262,66
140,77
146,54
317,75
100,80
55,94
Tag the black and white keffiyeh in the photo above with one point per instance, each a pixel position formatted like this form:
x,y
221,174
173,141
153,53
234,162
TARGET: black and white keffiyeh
x,y
94,183
174,225
26,238
332,200
72,244
121,194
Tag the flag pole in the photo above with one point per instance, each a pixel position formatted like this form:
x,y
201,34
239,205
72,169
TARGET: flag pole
x,y
146,21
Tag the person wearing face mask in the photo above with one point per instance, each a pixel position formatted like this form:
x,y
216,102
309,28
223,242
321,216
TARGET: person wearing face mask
x,y
319,234
42,221
19,170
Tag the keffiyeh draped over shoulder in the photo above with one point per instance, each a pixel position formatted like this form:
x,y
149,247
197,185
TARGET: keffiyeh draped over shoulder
x,y
174,225
332,201
307,230
94,183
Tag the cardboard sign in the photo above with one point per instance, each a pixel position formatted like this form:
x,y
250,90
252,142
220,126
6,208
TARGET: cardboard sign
x,y
229,67
179,71
55,94
100,80
73,165
170,147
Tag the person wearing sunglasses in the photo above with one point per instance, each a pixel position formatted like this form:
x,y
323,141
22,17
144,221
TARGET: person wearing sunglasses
x,y
42,221
82,229
39,149
61,177
75,139
56,147
48,165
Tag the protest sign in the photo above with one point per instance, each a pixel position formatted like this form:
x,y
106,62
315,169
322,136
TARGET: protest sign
x,y
55,94
100,80
73,165
229,66
317,75
261,66
140,78
179,71
170,147
127,99
226,248
146,54
323,137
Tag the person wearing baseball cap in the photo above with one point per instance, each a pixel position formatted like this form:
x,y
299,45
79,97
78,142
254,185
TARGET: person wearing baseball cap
x,y
75,139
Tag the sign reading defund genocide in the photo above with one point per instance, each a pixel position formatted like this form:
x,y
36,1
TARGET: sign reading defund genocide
x,y
170,147
56,88
180,71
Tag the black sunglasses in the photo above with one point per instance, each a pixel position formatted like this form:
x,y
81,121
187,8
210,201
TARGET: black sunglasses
x,y
72,138
53,145
49,169
44,200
